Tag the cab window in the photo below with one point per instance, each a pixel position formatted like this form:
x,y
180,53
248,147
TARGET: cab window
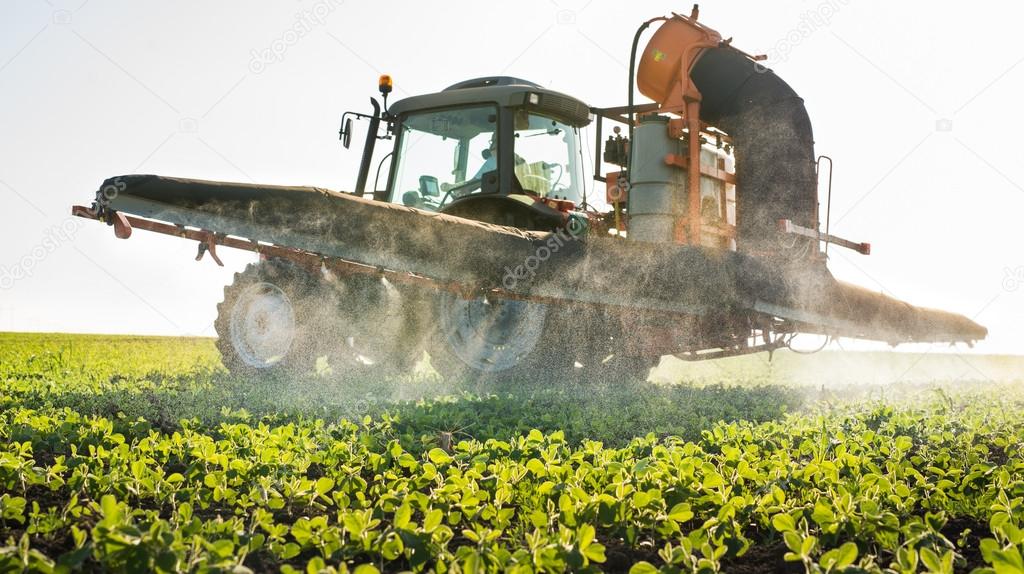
x,y
442,153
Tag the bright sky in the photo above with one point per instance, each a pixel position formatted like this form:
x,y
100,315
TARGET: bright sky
x,y
917,102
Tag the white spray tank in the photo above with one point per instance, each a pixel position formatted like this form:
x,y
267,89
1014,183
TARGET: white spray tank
x,y
658,191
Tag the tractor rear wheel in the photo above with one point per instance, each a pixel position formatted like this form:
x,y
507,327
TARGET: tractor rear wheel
x,y
500,341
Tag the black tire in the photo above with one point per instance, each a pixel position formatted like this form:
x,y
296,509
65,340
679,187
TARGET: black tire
x,y
576,347
451,350
296,294
339,326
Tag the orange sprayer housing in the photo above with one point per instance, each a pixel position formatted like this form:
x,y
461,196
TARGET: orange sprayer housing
x,y
663,73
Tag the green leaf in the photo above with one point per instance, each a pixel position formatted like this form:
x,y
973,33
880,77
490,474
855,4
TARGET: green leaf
x,y
315,565
539,519
643,567
402,516
988,546
222,548
110,508
784,523
792,540
808,545
12,508
907,558
595,552
323,485
392,548
935,563
354,523
680,512
438,456
823,513
290,550
712,481
1007,561
75,558
433,519
904,442
847,555
931,560
839,557
536,467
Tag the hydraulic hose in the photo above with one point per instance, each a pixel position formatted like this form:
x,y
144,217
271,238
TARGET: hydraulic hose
x,y
629,102
632,67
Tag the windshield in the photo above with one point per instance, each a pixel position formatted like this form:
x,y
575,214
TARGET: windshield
x,y
547,155
442,153
447,154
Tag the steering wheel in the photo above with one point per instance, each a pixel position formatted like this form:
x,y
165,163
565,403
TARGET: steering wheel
x,y
456,190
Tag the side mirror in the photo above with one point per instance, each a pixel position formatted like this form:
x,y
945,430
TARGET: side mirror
x,y
346,132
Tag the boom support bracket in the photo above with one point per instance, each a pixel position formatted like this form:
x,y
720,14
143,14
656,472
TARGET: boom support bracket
x,y
787,226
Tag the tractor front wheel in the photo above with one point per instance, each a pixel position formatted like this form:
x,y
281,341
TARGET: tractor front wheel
x,y
279,318
267,323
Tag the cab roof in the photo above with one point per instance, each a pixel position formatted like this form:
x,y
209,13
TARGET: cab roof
x,y
504,91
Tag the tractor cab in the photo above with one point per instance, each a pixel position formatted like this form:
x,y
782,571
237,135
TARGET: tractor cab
x,y
499,149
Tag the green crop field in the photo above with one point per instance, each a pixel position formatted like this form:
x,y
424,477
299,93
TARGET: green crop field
x,y
141,454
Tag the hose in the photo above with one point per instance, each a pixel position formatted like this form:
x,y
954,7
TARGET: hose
x,y
632,67
632,78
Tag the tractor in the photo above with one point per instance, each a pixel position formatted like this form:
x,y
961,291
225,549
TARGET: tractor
x,y
488,249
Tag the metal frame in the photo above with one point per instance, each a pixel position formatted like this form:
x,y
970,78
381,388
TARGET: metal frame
x,y
368,146
787,226
208,241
